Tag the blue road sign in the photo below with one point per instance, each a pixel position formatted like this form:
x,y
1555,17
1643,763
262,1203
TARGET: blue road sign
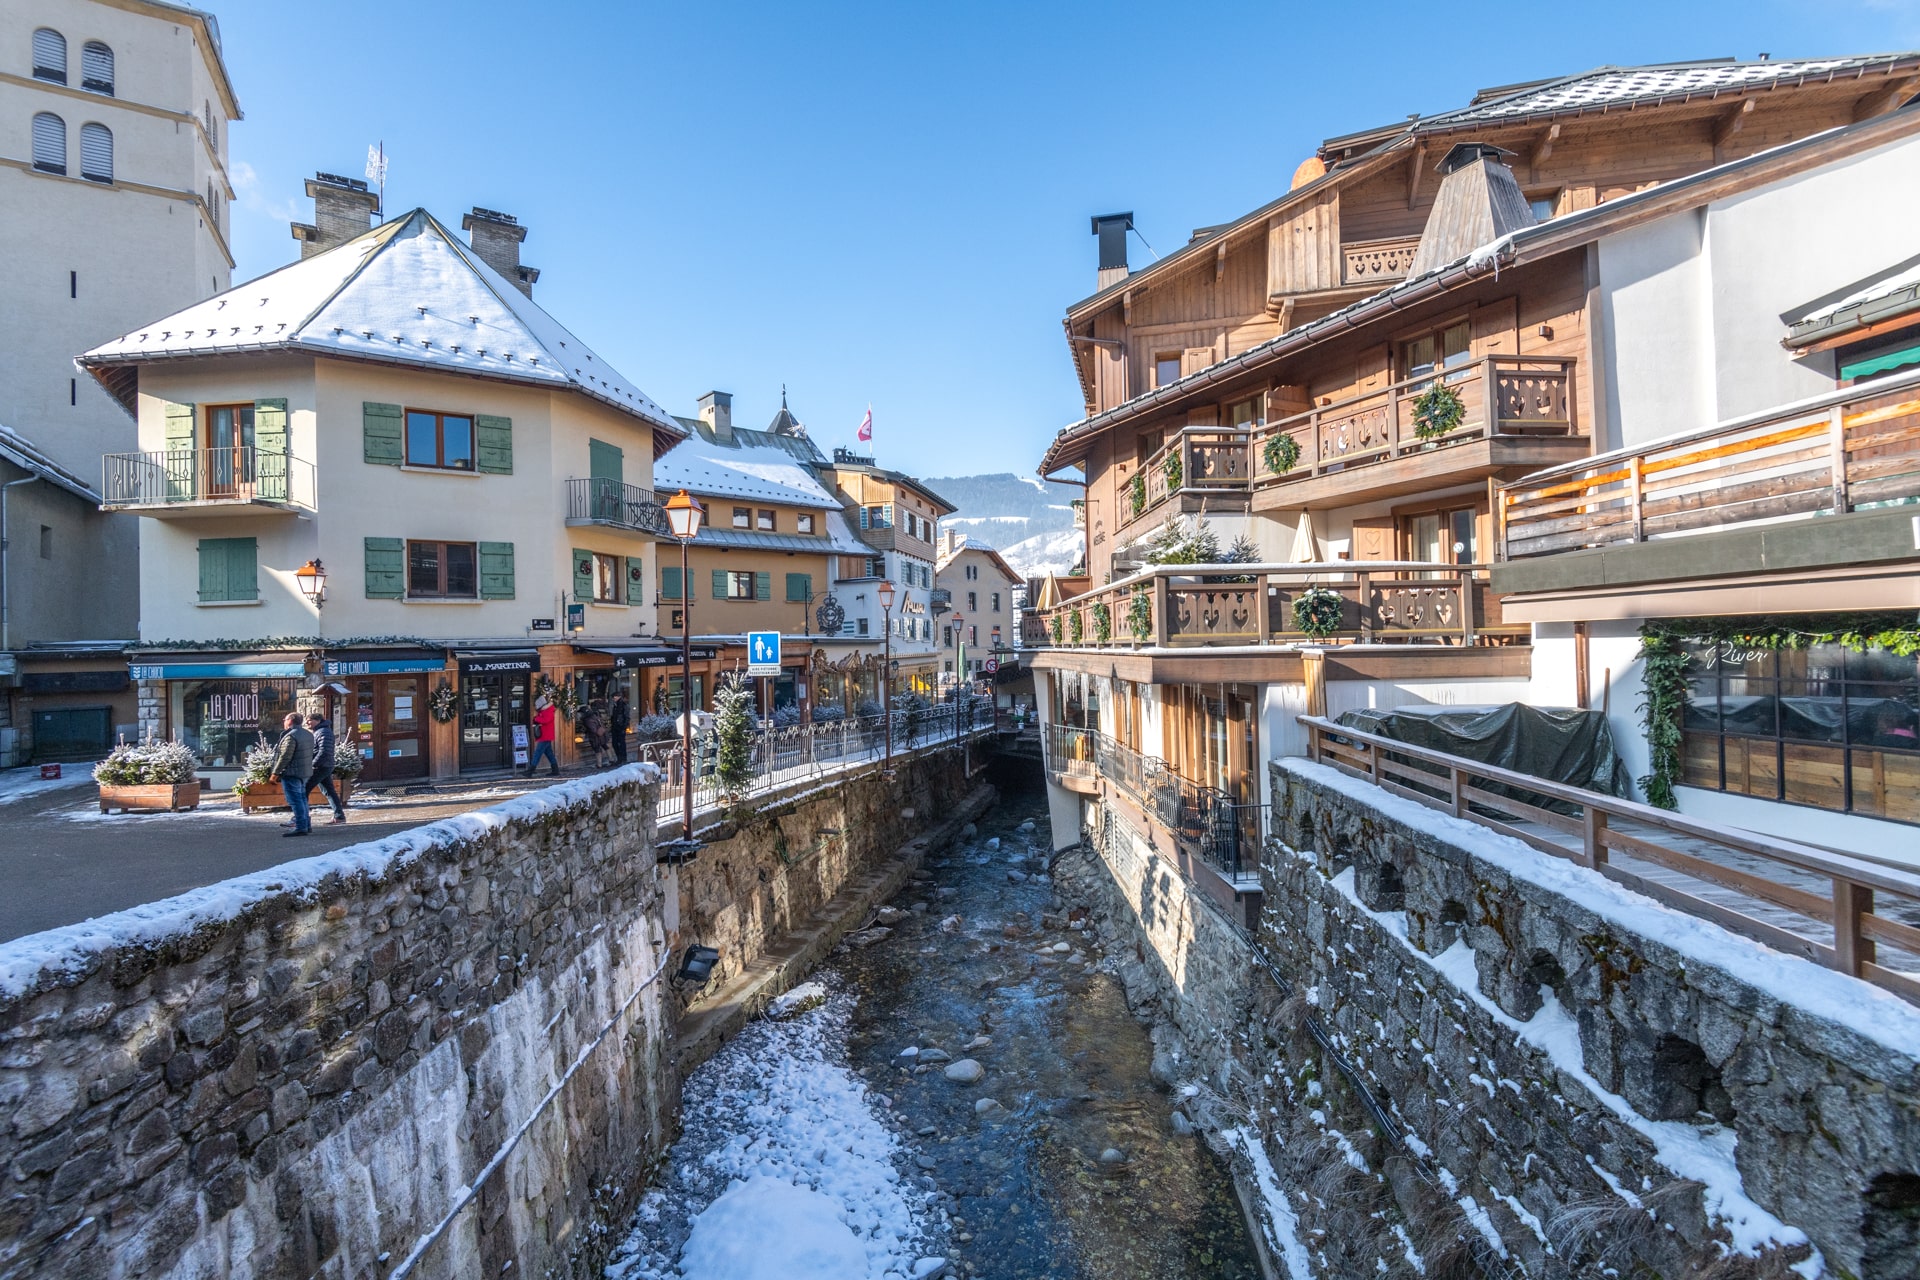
x,y
763,653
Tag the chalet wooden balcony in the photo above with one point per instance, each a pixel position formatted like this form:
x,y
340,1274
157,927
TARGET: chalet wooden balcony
x,y
610,504
1520,411
1848,452
206,482
1199,464
1198,606
1378,262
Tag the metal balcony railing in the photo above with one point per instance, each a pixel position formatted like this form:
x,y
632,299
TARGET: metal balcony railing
x,y
186,477
616,505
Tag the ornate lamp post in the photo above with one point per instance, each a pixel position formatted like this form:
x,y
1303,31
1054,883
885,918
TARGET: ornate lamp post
x,y
683,516
959,698
885,591
312,577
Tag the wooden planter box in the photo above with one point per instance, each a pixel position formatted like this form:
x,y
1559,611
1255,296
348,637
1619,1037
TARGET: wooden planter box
x,y
163,797
269,795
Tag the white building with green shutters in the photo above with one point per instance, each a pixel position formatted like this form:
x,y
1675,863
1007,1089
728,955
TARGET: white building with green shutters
x,y
473,479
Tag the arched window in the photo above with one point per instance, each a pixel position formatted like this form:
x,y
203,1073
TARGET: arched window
x,y
49,143
213,129
49,55
96,67
96,152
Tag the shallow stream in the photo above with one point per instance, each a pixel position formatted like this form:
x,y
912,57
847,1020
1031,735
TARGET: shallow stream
x,y
1062,1160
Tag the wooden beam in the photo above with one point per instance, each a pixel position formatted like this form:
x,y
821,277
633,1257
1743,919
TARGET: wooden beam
x,y
1885,100
1416,171
1220,258
1286,314
1544,147
1729,124
1126,307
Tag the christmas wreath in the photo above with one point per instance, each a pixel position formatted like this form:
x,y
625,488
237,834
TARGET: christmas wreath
x,y
564,697
1137,491
1438,411
1317,612
1281,454
442,702
1171,468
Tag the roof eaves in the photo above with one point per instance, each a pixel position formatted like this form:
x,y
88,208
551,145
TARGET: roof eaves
x,y
23,453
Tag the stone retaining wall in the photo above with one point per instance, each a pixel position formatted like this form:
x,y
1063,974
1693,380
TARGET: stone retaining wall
x,y
301,1072
1578,1082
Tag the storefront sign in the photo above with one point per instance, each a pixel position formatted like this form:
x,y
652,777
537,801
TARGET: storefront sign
x,y
219,671
384,666
496,663
576,617
543,624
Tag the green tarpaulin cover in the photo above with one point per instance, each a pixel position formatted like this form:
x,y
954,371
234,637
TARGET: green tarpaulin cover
x,y
1562,744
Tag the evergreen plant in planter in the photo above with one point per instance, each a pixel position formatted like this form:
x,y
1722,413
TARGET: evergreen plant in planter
x,y
148,776
733,728
1137,492
254,791
1076,627
1102,623
1317,612
1140,615
1171,468
1053,625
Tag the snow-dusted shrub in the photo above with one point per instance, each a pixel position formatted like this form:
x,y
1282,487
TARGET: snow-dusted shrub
x,y
152,763
657,728
786,717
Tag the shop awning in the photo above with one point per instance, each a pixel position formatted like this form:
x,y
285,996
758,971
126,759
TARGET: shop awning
x,y
351,666
635,656
217,670
490,661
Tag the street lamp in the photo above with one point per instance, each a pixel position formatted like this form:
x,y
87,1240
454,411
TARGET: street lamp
x,y
683,517
312,577
966,763
885,590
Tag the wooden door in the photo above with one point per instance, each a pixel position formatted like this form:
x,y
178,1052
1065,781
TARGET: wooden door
x,y
401,727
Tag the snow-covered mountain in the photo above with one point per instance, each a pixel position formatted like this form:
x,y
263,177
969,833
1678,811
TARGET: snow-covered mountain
x,y
1044,553
1028,520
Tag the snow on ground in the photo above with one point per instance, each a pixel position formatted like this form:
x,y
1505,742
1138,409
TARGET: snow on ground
x,y
73,949
18,784
785,1170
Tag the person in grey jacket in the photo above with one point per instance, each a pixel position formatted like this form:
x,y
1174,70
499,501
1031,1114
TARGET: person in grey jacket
x,y
292,768
323,749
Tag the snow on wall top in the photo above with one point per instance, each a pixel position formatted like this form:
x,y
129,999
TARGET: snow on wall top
x,y
407,292
58,956
740,470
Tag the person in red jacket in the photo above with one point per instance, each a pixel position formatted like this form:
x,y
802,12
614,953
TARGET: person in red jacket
x,y
543,738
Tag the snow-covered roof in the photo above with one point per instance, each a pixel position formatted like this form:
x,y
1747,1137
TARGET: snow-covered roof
x,y
1892,293
1606,87
407,292
22,452
742,468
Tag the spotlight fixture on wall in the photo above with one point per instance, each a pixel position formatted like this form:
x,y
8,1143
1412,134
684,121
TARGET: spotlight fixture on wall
x,y
696,965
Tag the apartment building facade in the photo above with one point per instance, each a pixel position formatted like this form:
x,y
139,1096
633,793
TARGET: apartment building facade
x,y
980,587
1341,382
392,412
114,158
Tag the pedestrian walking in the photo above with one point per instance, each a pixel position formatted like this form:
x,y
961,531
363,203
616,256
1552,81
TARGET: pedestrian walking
x,y
292,768
619,719
594,725
323,754
543,738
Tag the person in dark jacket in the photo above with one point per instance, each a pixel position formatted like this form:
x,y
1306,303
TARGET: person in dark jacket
x,y
292,768
619,718
323,755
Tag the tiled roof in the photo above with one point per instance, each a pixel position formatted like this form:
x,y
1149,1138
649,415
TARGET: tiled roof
x,y
1625,86
407,292
23,453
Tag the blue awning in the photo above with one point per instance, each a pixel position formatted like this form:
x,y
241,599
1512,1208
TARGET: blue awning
x,y
218,670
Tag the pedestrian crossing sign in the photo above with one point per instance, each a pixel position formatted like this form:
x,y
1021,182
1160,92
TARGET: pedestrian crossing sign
x,y
763,653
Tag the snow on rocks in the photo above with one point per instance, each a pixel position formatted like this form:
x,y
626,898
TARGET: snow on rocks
x,y
808,995
791,1172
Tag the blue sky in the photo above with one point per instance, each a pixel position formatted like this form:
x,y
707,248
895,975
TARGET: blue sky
x,y
883,203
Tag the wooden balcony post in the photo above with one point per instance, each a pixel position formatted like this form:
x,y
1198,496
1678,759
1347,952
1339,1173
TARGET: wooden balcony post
x,y
1363,590
1393,423
1313,676
1262,611
1593,836
1851,949
1313,441
1467,631
1160,629
1837,438
1636,494
1456,791
1490,398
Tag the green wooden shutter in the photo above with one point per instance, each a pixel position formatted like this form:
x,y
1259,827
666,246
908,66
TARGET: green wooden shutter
x,y
605,461
229,569
493,442
763,586
272,445
177,461
636,570
670,584
799,587
582,575
719,584
496,570
386,569
381,434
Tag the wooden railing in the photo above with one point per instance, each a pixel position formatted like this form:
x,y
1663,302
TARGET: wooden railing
x,y
1377,261
1197,605
1837,453
1827,894
1515,396
1199,459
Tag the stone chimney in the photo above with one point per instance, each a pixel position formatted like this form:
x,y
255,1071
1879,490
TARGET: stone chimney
x,y
496,237
716,410
342,209
1479,201
1112,229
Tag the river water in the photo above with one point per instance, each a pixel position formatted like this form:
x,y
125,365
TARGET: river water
x,y
1074,1169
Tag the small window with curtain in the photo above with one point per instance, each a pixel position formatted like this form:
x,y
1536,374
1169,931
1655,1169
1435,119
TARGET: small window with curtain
x,y
49,56
50,143
763,520
96,68
803,523
439,440
442,571
96,153
743,517
1244,413
740,584
606,579
1443,349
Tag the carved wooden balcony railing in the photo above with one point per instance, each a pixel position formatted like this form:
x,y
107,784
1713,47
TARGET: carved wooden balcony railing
x,y
1198,460
1189,606
1377,261
1504,396
1840,452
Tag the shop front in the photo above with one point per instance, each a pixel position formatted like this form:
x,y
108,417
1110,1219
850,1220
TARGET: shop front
x,y
663,687
386,703
220,709
495,708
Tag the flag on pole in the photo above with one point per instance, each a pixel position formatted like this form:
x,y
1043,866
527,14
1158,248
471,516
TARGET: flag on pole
x,y
377,164
866,427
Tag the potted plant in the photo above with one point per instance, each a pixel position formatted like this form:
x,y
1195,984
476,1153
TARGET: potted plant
x,y
152,775
255,791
